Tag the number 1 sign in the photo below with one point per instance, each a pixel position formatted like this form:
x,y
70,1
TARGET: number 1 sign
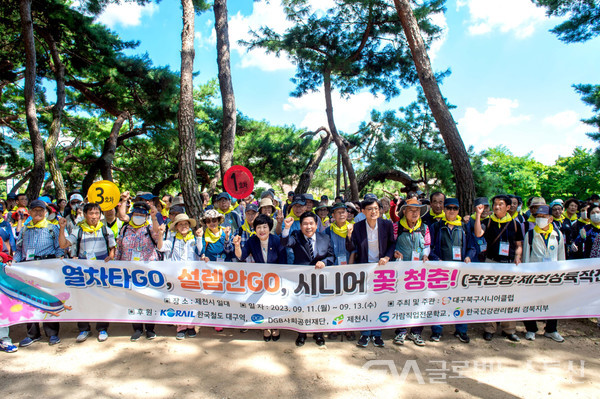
x,y
238,182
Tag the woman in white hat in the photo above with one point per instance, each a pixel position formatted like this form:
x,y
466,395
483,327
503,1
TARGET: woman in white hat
x,y
183,245
216,243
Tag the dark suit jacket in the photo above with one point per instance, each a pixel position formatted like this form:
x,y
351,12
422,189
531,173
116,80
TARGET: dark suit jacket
x,y
324,248
275,253
360,244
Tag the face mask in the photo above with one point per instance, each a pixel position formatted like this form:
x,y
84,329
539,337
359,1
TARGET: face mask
x,y
138,220
541,222
51,216
519,208
584,215
595,218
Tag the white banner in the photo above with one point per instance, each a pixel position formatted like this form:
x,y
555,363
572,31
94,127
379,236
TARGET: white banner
x,y
301,298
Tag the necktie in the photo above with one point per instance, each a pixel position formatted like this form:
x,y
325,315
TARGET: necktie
x,y
310,248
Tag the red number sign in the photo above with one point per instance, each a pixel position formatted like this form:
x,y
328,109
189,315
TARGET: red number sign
x,y
238,182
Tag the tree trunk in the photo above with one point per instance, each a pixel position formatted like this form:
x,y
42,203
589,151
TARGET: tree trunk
x,y
463,173
369,175
312,166
337,139
17,186
337,175
185,117
103,164
39,161
158,187
57,111
225,84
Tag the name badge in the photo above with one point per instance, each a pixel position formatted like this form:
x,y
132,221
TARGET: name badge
x,y
482,247
504,248
137,256
220,258
342,260
30,254
91,256
456,253
416,255
250,259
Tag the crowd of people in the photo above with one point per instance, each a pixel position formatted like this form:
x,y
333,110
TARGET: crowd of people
x,y
301,231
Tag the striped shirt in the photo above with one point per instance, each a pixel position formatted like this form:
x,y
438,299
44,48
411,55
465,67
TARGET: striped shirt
x,y
93,245
38,243
179,250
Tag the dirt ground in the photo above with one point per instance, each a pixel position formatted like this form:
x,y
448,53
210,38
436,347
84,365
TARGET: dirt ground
x,y
232,364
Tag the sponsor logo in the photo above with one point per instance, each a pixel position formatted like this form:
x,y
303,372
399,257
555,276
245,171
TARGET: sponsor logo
x,y
257,318
458,312
384,317
176,313
338,320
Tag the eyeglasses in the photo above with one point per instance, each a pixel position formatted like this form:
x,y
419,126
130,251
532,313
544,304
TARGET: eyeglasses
x,y
213,220
372,209
452,208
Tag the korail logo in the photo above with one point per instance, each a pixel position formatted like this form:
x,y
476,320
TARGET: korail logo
x,y
384,317
338,320
257,318
458,312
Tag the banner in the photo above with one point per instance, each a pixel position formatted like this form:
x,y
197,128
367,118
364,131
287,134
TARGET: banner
x,y
301,298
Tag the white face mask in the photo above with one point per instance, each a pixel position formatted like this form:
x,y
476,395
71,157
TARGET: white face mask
x,y
595,218
138,220
519,208
51,216
584,214
541,222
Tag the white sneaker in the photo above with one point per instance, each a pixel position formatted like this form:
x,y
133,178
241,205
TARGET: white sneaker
x,y
554,336
530,336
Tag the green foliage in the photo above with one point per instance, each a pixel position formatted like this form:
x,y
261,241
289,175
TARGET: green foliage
x,y
583,21
359,44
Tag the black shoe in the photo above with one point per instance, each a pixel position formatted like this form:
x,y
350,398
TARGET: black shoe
x,y
378,342
320,340
350,336
150,335
243,330
332,335
275,337
136,335
300,340
488,336
363,341
511,337
267,338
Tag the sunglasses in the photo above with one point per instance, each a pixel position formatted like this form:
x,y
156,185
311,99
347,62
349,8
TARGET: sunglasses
x,y
452,208
213,220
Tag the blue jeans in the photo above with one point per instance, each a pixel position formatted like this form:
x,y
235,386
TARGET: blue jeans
x,y
460,328
414,330
371,333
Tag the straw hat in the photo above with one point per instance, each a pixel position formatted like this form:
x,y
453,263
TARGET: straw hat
x,y
182,217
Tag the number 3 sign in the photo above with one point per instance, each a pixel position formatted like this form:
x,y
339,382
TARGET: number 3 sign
x,y
104,193
238,182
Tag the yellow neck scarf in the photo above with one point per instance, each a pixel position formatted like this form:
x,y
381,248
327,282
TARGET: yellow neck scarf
x,y
340,231
90,229
572,218
55,222
247,229
292,214
545,233
438,216
580,220
42,224
186,238
231,208
515,215
505,219
456,222
404,224
473,216
595,225
211,237
560,219
135,226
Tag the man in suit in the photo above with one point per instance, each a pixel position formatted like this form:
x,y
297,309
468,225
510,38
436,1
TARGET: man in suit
x,y
310,248
371,240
